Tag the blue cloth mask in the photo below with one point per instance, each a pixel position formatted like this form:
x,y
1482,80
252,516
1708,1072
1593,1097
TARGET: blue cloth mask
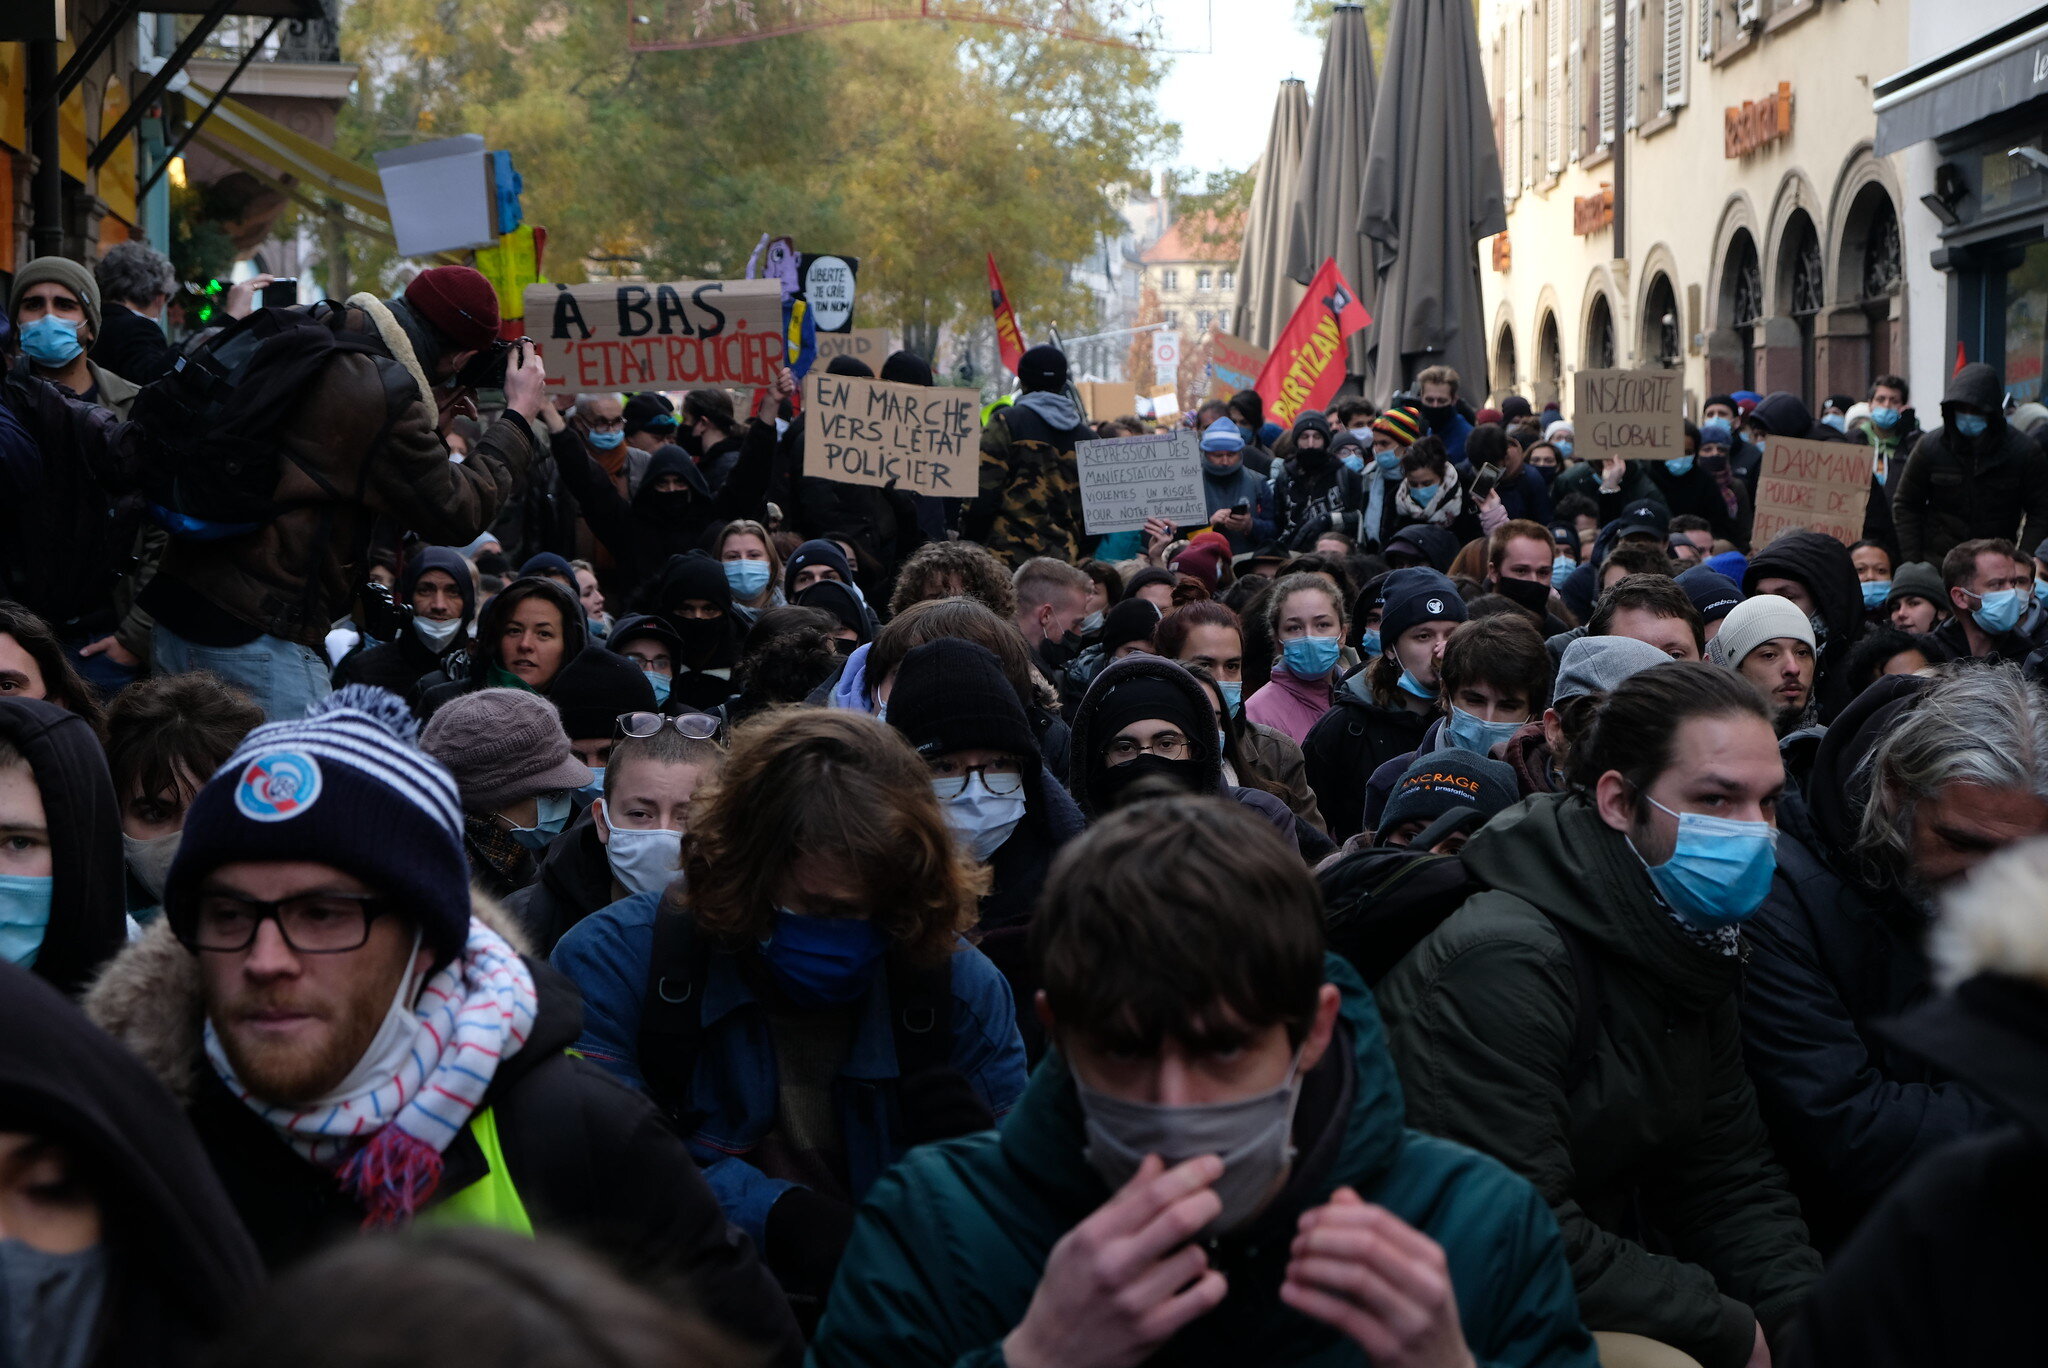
x,y
1998,612
746,577
823,961
1679,465
51,341
1310,657
1424,495
1369,642
1476,734
24,916
1561,569
1409,682
1718,872
1969,424
1388,462
1354,462
607,441
1875,592
1886,418
1233,695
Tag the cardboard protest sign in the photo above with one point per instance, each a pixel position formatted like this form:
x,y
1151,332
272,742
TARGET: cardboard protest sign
x,y
1234,364
862,344
1128,479
1107,399
870,432
1307,365
685,334
1821,485
1637,414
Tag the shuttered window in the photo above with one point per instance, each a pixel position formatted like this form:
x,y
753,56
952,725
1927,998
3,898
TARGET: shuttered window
x,y
1511,84
1554,46
1610,84
1675,64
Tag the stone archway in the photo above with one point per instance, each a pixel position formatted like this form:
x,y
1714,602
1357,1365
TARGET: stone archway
x,y
1549,364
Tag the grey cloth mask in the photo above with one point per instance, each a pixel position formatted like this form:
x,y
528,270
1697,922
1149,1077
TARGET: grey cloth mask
x,y
50,1305
1253,1136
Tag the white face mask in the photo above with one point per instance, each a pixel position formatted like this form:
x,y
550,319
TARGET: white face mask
x,y
437,635
642,861
980,819
151,860
393,1042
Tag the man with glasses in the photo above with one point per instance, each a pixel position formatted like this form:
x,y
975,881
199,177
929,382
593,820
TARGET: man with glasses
x,y
371,1051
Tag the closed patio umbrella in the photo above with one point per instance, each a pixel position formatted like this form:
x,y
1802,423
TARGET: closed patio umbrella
x,y
1265,295
1333,162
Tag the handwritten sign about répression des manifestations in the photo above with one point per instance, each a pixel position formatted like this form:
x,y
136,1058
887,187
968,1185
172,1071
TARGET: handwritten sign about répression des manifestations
x,y
870,432
1639,414
1129,479
682,335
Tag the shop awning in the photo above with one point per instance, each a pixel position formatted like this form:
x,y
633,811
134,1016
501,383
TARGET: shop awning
x,y
243,136
1988,75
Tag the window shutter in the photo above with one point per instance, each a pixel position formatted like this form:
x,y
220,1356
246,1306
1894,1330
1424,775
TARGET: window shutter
x,y
1610,82
1554,13
1675,65
1575,81
1511,86
1707,8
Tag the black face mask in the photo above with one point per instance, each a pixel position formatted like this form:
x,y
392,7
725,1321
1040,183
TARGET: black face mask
x,y
700,636
1439,418
664,504
1312,458
1524,594
1185,775
1057,654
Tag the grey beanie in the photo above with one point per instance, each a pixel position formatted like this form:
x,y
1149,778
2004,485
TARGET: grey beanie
x,y
57,270
1599,664
503,745
1765,617
1917,579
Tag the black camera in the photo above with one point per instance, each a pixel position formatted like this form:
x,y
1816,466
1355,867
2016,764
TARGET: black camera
x,y
486,370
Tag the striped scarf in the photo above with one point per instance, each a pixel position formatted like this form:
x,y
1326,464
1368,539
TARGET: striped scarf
x,y
384,1140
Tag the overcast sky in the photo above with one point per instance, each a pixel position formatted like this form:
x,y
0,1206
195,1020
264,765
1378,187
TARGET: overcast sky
x,y
1223,99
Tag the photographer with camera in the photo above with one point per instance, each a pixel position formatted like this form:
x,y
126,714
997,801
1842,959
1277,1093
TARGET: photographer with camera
x,y
333,418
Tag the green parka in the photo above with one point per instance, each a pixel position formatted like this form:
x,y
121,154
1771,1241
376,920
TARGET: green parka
x,y
1660,1143
950,1244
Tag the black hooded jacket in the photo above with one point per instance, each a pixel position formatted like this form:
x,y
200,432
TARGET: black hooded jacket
x,y
710,646
1822,564
180,1263
1958,488
1313,493
1347,743
436,689
402,665
1783,414
1833,951
88,909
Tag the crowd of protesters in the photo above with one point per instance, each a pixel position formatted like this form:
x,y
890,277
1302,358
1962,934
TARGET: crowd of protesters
x,y
571,888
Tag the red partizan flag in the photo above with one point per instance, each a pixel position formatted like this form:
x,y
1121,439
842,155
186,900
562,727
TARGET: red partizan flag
x,y
1307,362
1007,337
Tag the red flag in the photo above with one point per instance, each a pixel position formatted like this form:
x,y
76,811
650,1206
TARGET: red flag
x,y
1307,363
1007,337
1962,358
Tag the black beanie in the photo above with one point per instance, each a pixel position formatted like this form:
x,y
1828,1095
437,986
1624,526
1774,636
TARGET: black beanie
x,y
838,600
952,695
1150,575
816,551
594,688
1313,421
1134,619
650,412
1143,696
1044,367
907,368
695,576
1414,596
848,365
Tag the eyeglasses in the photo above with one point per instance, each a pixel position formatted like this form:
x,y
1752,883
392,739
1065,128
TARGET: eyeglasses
x,y
641,725
313,924
1166,745
605,424
1001,778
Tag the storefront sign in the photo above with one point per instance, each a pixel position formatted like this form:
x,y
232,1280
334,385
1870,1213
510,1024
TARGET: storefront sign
x,y
1756,124
1591,213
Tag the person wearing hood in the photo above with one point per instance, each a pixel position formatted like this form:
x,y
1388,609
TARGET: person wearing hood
x,y
1728,496
361,1048
1313,491
674,506
853,624
1029,503
1239,499
1432,548
597,689
630,840
118,1248
1769,642
1382,708
524,636
952,703
1745,459
694,598
1914,786
1947,1266
1814,571
1619,904
1993,615
165,737
1974,477
1145,724
438,590
62,904
1305,621
1172,1190
822,559
517,778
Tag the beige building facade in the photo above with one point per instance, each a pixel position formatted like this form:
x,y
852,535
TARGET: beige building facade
x,y
1761,237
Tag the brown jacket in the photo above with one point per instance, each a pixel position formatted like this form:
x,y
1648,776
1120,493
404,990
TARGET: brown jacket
x,y
344,468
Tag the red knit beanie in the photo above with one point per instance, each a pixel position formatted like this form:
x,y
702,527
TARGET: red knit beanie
x,y
458,301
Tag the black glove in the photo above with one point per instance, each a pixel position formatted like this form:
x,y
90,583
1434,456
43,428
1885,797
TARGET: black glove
x,y
938,1104
806,1234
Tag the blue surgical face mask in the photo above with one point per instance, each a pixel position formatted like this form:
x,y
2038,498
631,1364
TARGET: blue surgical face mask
x,y
1310,657
593,790
51,341
1477,735
607,441
24,916
1092,623
1719,871
551,815
1424,495
1679,465
1369,642
1972,424
1411,684
1998,612
1886,418
1837,421
662,684
1354,462
1875,592
2041,592
1233,694
746,577
1563,446
50,1305
1561,569
1388,462
823,961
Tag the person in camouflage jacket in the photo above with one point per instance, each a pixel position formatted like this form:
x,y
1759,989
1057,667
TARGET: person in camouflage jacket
x,y
1030,498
